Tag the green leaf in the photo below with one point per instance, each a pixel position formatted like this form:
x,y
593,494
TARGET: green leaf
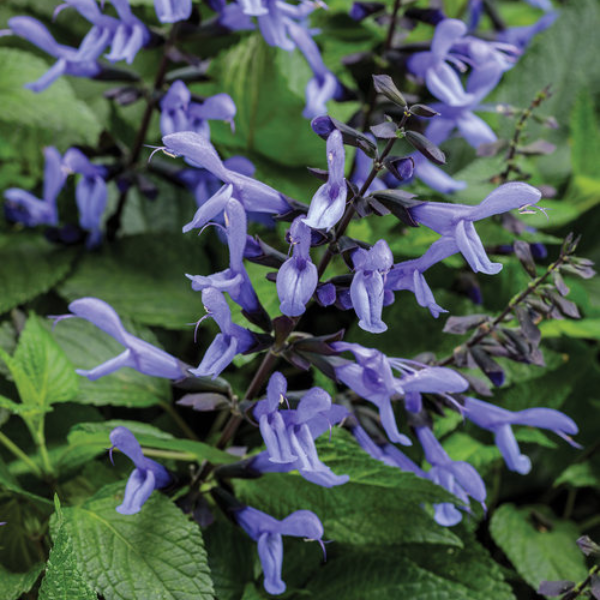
x,y
63,579
156,553
56,110
95,436
29,267
380,505
588,329
585,136
87,347
14,585
579,475
426,573
539,549
143,277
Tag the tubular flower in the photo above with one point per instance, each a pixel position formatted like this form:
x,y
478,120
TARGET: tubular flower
x,y
267,532
329,202
297,278
139,355
499,421
147,476
172,11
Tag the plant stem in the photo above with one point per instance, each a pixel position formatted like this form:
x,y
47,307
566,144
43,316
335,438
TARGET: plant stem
x,y
173,454
14,449
392,28
580,587
114,222
487,328
170,409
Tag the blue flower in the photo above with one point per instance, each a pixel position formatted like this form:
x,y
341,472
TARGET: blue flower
x,y
147,476
329,202
172,11
458,477
199,152
25,208
289,434
232,340
367,288
139,355
79,62
129,36
91,194
499,421
267,531
454,222
297,278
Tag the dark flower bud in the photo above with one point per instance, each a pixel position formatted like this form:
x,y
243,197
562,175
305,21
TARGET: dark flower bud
x,y
523,253
421,110
588,546
555,588
488,365
399,203
323,126
430,16
385,131
204,402
401,167
362,10
385,85
426,147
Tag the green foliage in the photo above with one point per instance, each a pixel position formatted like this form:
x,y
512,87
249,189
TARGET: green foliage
x,y
13,585
176,568
140,275
30,266
539,546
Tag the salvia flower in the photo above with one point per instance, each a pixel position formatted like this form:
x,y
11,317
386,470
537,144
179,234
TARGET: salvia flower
x,y
78,62
499,421
199,152
91,193
289,434
268,531
129,36
297,278
138,355
458,477
172,11
367,288
454,222
24,207
232,340
329,202
147,476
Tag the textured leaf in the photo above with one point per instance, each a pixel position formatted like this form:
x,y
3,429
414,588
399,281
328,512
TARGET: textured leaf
x,y
58,110
426,573
88,347
63,579
143,277
29,267
380,504
13,585
156,553
544,550
588,329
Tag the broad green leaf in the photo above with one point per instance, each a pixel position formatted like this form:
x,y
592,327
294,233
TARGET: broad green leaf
x,y
585,136
87,347
29,267
56,110
63,579
588,329
423,572
579,475
539,549
380,505
94,436
143,277
14,585
461,446
157,553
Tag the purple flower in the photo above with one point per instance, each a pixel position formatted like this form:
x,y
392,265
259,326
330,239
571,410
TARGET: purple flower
x,y
297,278
91,193
366,290
329,202
129,36
25,208
267,531
179,113
522,36
371,378
232,340
139,355
254,195
458,477
499,421
289,434
441,79
80,62
454,222
434,177
147,476
172,11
